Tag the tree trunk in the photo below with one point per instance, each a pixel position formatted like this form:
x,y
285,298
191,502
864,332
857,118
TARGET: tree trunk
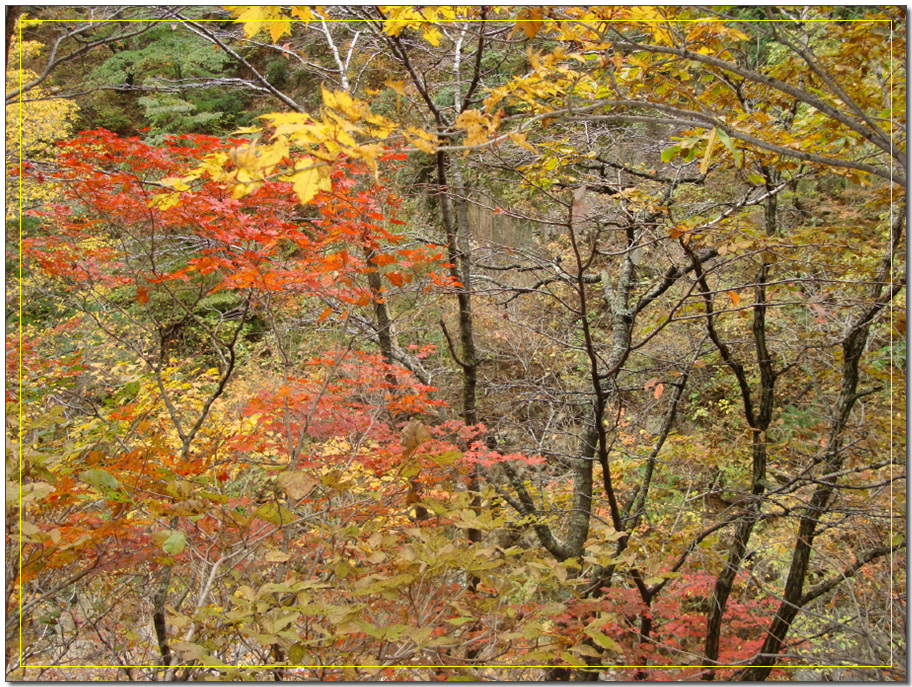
x,y
759,424
852,349
12,16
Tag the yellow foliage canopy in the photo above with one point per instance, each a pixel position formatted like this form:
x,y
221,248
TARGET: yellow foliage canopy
x,y
33,123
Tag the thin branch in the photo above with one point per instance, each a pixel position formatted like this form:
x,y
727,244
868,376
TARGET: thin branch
x,y
204,31
797,93
450,345
54,62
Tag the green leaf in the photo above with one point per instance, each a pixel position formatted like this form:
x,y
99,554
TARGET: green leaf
x,y
195,652
99,478
603,640
277,515
728,143
214,497
190,650
30,491
707,156
669,153
572,660
410,468
159,537
416,634
446,458
49,419
175,543
584,650
297,654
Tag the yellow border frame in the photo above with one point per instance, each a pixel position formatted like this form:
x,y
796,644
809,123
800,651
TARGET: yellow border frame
x,y
511,666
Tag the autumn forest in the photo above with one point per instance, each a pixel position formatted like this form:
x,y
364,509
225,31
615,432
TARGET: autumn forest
x,y
455,343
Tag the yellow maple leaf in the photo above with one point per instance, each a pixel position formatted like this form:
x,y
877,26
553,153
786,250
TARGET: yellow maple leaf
x,y
397,86
176,183
422,140
530,21
477,125
308,182
165,201
352,109
432,35
398,18
278,28
471,117
303,13
519,139
430,13
369,154
245,158
255,18
288,123
31,127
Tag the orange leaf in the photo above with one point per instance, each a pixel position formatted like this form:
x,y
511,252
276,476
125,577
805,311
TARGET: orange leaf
x,y
396,278
735,298
530,21
381,259
659,389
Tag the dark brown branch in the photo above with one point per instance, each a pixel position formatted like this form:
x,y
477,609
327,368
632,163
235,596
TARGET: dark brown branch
x,y
479,50
450,345
822,588
671,276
